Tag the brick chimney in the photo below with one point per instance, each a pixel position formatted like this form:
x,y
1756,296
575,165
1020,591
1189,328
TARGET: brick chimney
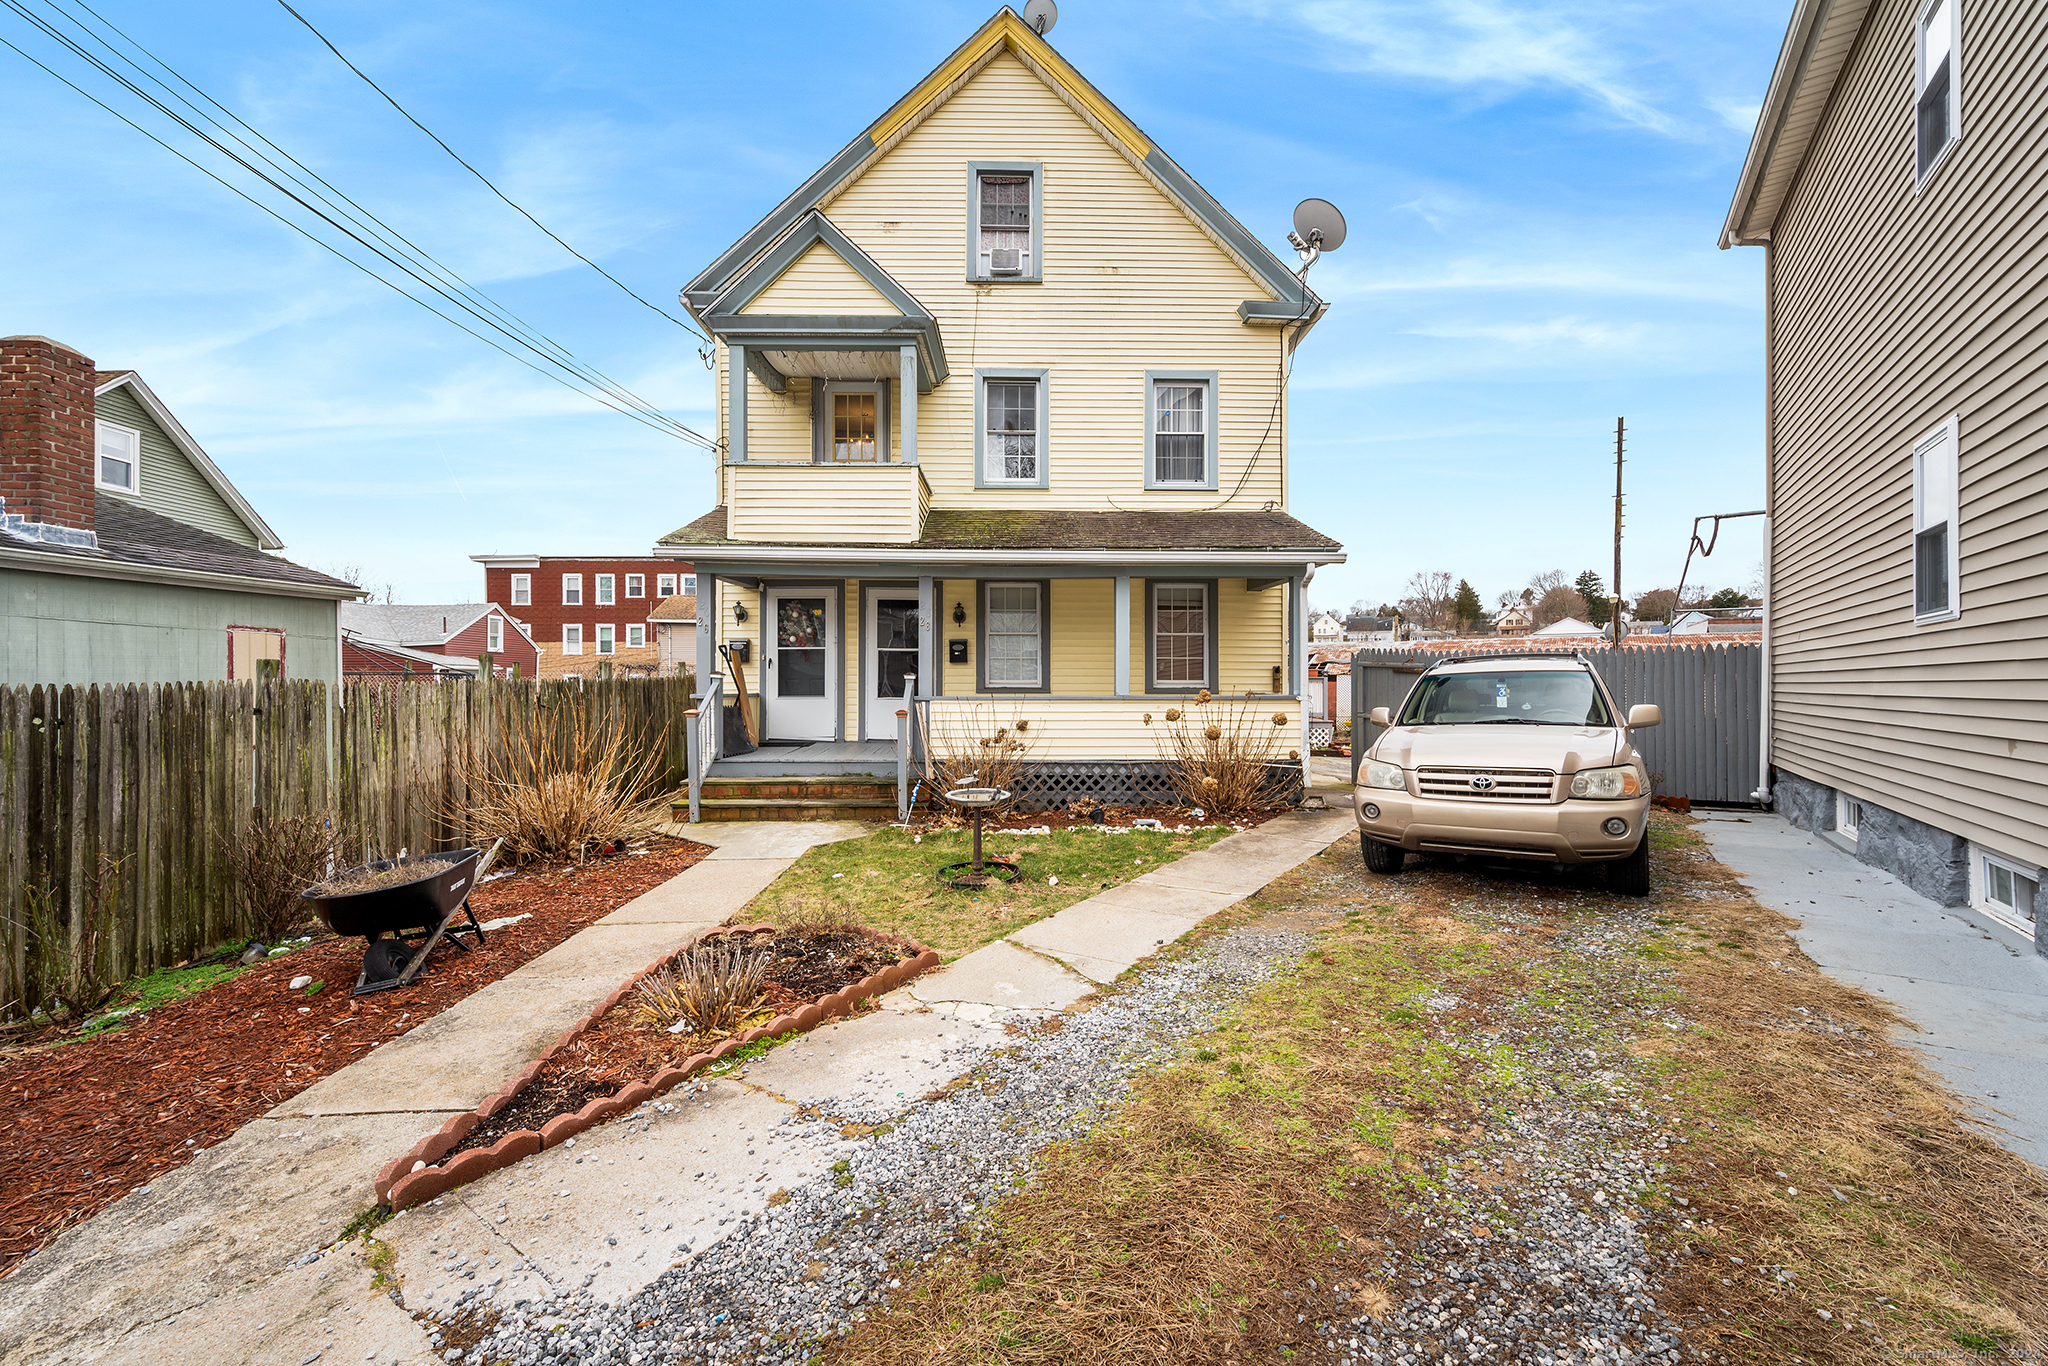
x,y
46,435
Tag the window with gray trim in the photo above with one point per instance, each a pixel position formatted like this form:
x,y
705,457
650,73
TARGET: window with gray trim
x,y
1010,419
1181,425
1181,637
1005,208
1013,635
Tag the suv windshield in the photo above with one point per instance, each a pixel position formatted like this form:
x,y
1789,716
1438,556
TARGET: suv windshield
x,y
1519,697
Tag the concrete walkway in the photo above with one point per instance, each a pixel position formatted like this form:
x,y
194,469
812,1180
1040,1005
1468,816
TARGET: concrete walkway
x,y
190,1264
1977,991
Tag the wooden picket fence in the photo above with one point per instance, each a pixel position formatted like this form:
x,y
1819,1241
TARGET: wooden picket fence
x,y
126,793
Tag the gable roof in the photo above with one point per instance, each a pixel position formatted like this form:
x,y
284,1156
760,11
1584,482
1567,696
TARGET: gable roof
x,y
135,543
1291,300
419,624
682,607
1818,43
107,380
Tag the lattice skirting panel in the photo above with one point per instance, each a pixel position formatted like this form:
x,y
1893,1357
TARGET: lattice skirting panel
x,y
1321,734
1050,786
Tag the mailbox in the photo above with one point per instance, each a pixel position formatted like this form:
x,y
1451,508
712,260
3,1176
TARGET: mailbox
x,y
956,652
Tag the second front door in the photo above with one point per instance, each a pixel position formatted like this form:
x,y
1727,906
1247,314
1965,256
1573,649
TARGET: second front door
x,y
892,656
800,674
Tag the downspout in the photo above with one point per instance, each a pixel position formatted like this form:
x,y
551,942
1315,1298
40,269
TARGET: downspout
x,y
1762,795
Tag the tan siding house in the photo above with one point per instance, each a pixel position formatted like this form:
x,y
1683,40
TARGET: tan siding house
x,y
1002,398
1896,183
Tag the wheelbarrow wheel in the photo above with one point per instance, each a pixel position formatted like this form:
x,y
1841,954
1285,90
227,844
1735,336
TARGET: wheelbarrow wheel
x,y
384,960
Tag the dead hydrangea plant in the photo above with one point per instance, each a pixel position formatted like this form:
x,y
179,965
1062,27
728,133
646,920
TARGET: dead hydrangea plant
x,y
1219,752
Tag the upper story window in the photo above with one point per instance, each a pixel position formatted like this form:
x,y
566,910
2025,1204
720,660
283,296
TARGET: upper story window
x,y
1004,211
1011,409
605,586
522,590
664,585
1937,84
856,422
607,640
1180,429
119,462
1936,490
636,585
572,640
494,635
572,590
636,637
690,585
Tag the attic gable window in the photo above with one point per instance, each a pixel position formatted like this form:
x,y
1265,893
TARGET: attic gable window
x,y
119,462
1936,84
1004,211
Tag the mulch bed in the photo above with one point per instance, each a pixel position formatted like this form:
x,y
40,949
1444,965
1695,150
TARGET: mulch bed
x,y
615,1051
91,1121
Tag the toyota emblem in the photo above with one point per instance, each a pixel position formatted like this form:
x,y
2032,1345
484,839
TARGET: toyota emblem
x,y
1482,783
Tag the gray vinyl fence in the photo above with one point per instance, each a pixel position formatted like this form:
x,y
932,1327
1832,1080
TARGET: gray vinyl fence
x,y
1707,750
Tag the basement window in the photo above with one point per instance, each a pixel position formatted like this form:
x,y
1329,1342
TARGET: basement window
x,y
2009,892
1848,815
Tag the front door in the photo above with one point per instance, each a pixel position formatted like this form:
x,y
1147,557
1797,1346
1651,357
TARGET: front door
x,y
800,676
892,657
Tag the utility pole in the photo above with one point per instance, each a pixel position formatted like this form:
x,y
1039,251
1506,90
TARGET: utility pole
x,y
1619,432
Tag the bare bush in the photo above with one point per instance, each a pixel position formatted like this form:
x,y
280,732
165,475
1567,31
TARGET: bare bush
x,y
708,991
276,859
1218,752
975,746
557,784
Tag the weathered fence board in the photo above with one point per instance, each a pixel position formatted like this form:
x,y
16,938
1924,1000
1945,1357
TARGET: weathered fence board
x,y
135,792
1709,747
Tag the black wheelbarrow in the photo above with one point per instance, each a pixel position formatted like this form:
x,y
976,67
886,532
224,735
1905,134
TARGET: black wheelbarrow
x,y
415,914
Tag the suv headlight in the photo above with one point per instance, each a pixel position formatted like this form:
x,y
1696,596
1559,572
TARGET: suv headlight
x,y
1378,774
1607,783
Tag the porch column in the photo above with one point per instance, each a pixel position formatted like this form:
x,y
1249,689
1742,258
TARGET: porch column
x,y
707,616
736,403
1297,660
927,637
909,406
1123,635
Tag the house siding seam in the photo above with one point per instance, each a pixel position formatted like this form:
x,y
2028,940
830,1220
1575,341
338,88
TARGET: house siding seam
x,y
1893,310
171,487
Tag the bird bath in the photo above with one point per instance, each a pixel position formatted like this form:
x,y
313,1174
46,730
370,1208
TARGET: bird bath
x,y
980,872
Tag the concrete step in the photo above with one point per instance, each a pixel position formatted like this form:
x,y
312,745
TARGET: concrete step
x,y
864,808
800,788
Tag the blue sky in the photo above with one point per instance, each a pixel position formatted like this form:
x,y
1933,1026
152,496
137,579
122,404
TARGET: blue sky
x,y
1533,191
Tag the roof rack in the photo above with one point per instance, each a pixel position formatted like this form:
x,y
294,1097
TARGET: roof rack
x,y
1575,655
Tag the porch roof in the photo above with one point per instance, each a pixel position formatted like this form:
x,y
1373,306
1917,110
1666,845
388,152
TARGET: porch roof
x,y
958,529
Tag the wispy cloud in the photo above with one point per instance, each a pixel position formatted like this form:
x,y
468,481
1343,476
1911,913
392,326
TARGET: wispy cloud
x,y
1581,332
1493,45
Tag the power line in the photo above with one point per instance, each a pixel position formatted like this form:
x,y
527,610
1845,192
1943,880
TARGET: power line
x,y
481,176
465,297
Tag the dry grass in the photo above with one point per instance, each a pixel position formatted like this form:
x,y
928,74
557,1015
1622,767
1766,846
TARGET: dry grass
x,y
1225,1199
275,860
709,990
559,783
1217,751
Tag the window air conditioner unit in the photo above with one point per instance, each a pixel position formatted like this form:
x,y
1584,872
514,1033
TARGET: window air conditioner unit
x,y
1006,261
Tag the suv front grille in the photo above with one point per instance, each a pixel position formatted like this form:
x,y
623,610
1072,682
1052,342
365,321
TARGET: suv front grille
x,y
1507,784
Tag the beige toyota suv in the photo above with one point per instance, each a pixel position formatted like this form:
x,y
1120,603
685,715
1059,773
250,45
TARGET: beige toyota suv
x,y
1509,756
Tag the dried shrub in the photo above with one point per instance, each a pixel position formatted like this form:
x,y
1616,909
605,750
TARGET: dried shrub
x,y
273,861
975,746
557,784
66,962
708,991
1218,753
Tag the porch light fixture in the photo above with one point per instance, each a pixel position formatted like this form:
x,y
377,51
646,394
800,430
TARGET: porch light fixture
x,y
959,615
739,611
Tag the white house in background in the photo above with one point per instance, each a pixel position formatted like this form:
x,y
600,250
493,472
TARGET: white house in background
x,y
1325,629
1569,626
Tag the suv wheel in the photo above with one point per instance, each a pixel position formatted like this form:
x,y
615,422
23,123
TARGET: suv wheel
x,y
1382,858
1631,876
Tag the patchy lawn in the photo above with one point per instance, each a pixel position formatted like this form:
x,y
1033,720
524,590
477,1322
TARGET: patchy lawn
x,y
1497,1111
888,880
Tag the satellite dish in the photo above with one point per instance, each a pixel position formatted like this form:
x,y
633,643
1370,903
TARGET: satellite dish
x,y
1041,15
1317,224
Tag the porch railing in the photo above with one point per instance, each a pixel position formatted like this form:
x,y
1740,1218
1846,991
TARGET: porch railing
x,y
704,725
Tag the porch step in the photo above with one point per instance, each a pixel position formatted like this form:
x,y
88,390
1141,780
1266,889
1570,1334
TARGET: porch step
x,y
798,797
797,809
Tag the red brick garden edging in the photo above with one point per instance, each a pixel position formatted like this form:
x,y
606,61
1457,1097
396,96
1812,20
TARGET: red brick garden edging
x,y
399,1185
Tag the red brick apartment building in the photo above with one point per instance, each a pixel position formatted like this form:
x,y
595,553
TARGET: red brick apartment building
x,y
583,610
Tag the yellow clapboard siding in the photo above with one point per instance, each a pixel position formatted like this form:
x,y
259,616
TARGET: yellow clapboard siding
x,y
1083,635
1251,636
837,504
1130,284
820,282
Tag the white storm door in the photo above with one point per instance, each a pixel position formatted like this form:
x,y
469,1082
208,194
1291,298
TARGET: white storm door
x,y
892,656
800,676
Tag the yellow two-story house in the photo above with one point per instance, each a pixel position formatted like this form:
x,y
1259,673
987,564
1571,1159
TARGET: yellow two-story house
x,y
1003,409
